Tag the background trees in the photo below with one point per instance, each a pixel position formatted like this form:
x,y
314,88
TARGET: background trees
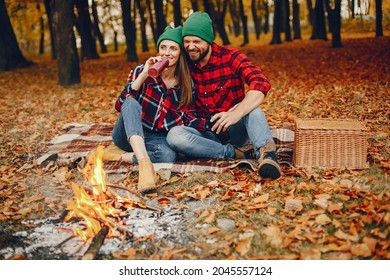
x,y
136,24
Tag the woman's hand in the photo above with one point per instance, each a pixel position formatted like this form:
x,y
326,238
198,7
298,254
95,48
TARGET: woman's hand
x,y
149,63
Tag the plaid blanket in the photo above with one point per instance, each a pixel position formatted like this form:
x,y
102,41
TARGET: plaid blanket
x,y
79,139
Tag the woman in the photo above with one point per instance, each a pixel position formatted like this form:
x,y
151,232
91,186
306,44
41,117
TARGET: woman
x,y
149,107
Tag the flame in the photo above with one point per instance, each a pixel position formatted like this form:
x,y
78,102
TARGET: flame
x,y
97,206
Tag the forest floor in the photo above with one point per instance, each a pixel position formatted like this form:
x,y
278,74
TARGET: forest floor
x,y
312,213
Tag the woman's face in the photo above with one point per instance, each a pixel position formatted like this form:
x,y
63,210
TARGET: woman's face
x,y
170,50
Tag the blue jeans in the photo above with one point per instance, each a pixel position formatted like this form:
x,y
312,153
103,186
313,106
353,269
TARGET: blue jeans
x,y
193,143
129,123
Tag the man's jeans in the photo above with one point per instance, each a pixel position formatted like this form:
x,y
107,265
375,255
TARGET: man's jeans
x,y
129,123
196,144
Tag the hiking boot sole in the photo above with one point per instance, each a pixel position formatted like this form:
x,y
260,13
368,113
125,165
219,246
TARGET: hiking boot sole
x,y
269,169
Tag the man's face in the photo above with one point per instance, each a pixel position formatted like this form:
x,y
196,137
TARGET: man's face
x,y
196,48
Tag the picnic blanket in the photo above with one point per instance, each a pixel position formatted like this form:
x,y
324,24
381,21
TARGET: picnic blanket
x,y
79,139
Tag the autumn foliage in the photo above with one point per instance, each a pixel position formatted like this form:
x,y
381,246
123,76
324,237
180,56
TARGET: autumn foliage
x,y
314,213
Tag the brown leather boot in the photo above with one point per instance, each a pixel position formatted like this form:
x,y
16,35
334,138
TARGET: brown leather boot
x,y
147,177
268,162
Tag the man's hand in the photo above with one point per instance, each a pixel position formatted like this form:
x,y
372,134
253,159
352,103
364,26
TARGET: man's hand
x,y
225,119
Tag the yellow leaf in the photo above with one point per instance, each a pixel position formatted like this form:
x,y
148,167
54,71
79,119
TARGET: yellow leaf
x,y
360,250
244,243
274,236
323,219
213,230
261,198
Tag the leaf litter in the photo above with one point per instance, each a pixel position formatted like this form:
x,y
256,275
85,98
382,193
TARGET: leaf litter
x,y
312,213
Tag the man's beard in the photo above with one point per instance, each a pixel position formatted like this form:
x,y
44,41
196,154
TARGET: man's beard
x,y
201,56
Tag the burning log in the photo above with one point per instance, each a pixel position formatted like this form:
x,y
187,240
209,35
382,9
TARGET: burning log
x,y
95,245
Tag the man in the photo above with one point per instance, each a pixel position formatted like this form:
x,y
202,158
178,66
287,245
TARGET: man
x,y
220,75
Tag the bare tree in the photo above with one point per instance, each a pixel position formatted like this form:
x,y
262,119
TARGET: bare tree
x,y
319,24
129,30
244,20
161,22
255,6
177,12
50,23
10,55
68,63
287,28
378,20
234,14
88,43
335,19
96,28
217,15
277,22
296,20
144,39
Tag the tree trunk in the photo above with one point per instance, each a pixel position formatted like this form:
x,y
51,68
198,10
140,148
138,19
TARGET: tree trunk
x,y
96,28
244,20
129,30
152,24
218,18
378,20
161,22
50,21
319,24
311,11
195,5
277,23
177,12
144,39
287,28
256,17
266,17
335,18
10,55
296,20
88,43
42,30
235,17
68,64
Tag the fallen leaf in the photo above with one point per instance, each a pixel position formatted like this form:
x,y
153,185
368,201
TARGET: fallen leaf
x,y
213,230
323,219
360,250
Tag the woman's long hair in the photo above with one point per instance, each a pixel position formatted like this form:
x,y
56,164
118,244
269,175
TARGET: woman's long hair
x,y
182,71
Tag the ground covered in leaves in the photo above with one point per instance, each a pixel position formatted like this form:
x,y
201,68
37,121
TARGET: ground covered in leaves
x,y
311,213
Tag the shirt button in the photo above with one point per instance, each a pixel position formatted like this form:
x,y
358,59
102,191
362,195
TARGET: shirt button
x,y
205,93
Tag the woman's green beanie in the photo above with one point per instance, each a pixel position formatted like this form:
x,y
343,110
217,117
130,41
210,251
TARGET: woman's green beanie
x,y
200,25
172,34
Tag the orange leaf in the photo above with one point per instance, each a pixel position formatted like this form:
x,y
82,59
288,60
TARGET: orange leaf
x,y
164,201
213,230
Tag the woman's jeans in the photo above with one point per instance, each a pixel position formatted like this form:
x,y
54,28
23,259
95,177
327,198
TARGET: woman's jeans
x,y
129,123
193,143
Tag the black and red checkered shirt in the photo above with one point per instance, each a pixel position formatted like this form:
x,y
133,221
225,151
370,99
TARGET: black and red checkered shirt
x,y
160,106
220,84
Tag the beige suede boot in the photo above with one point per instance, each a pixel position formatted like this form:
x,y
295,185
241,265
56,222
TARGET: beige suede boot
x,y
147,177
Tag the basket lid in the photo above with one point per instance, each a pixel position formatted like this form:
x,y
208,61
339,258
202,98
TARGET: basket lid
x,y
329,124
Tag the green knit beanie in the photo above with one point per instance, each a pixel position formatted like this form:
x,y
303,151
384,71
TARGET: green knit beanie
x,y
200,25
172,34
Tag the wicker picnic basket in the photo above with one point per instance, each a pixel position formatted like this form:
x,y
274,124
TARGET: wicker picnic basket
x,y
330,143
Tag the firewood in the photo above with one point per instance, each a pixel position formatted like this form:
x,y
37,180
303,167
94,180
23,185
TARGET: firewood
x,y
95,245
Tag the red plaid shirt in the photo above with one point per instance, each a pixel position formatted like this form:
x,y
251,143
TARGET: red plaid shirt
x,y
220,84
160,106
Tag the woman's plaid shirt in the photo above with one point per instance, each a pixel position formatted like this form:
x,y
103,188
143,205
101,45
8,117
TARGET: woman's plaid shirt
x,y
160,106
220,84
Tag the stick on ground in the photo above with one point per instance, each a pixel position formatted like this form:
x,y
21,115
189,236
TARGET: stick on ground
x,y
96,243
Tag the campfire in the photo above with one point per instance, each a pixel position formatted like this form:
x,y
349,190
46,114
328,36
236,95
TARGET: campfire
x,y
99,208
